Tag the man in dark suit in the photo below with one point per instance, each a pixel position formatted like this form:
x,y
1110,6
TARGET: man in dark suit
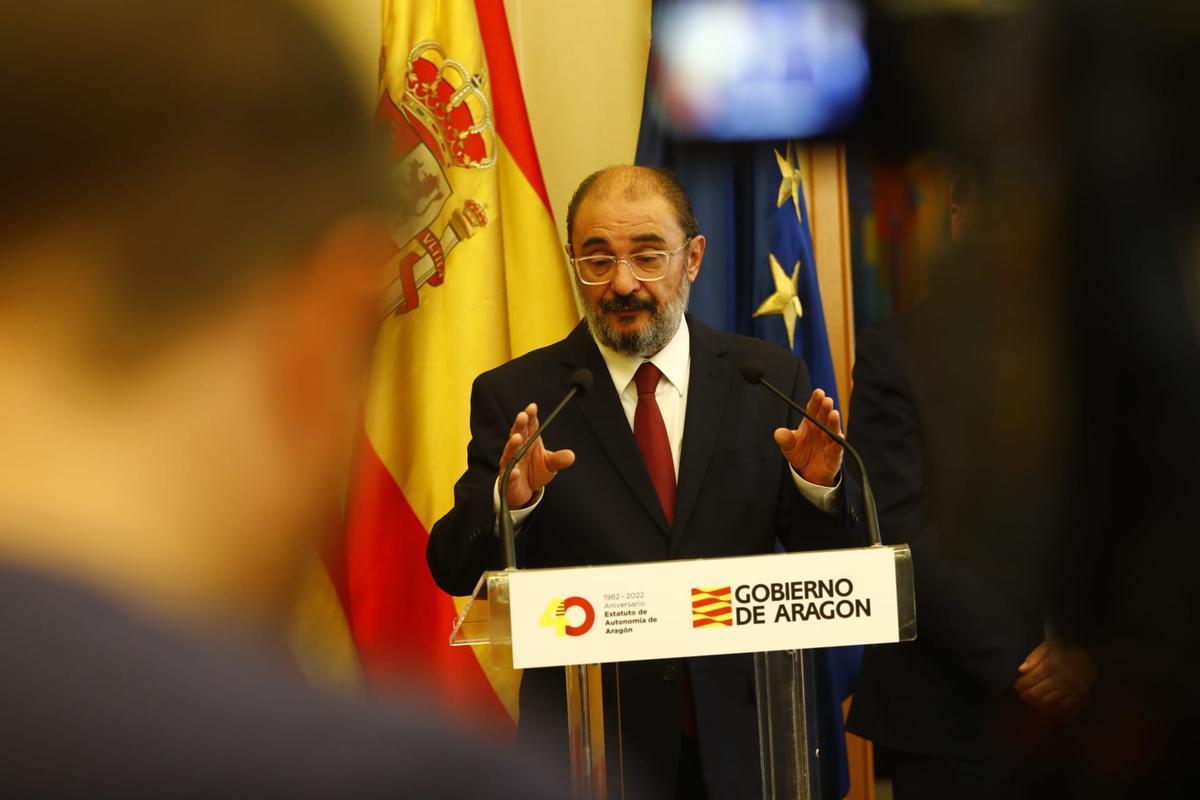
x,y
188,285
671,456
935,707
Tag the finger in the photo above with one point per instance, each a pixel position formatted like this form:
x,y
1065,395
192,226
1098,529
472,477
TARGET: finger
x,y
1045,705
813,407
521,422
1056,698
1040,672
557,460
1035,657
1044,689
834,423
1032,678
1032,699
1049,700
521,431
516,438
518,490
1032,687
543,470
510,449
786,439
560,459
532,416
516,435
826,409
537,450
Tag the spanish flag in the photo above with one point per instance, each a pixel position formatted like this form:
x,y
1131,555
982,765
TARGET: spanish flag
x,y
477,278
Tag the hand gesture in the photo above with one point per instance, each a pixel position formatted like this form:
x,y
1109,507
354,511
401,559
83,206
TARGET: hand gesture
x,y
539,465
816,457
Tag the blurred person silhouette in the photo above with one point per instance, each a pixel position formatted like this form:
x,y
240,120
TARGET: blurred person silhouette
x,y
1064,353
188,239
930,706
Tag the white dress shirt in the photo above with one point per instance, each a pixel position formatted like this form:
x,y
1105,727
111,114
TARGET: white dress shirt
x,y
675,363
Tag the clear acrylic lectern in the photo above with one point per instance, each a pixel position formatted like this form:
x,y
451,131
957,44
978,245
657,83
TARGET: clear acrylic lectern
x,y
788,770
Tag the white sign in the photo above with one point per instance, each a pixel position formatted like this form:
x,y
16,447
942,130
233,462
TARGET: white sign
x,y
669,609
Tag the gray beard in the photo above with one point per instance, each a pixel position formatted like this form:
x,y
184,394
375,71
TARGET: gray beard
x,y
664,322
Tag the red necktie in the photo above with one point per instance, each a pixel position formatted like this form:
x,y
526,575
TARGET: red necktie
x,y
651,435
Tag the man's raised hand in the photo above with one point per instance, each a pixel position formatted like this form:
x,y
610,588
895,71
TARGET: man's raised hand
x,y
539,465
814,456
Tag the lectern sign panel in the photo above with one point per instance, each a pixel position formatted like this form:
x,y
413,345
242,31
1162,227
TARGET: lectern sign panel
x,y
669,609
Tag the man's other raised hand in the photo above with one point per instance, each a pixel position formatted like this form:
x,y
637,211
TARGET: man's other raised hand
x,y
814,456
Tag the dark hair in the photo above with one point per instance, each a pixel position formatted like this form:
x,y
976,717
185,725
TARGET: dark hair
x,y
638,181
202,140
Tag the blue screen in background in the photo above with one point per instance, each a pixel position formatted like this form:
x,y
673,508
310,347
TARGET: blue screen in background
x,y
758,69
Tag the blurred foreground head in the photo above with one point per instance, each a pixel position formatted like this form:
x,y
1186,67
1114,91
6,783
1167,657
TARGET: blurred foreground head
x,y
186,244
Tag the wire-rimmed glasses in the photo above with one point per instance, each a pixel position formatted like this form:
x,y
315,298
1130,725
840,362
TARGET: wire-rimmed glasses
x,y
646,266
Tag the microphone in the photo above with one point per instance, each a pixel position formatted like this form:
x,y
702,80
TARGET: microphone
x,y
579,382
751,373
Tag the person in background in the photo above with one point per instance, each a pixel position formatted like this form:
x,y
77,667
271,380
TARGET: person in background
x,y
932,706
189,236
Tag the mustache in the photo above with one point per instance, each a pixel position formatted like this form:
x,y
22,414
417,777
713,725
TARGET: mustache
x,y
628,303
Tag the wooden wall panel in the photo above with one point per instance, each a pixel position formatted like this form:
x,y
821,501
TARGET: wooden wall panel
x,y
824,168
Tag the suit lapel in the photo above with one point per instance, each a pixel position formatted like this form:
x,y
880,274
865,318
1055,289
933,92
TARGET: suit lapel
x,y
601,409
708,388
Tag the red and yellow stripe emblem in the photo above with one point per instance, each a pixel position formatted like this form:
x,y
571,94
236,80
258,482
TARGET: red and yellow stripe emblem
x,y
712,606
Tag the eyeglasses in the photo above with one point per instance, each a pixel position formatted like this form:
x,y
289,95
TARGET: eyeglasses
x,y
646,266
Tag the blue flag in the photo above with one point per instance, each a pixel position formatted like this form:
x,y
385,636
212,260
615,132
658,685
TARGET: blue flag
x,y
759,276
759,279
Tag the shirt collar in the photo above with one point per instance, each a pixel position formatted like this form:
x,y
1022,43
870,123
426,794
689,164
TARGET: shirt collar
x,y
674,361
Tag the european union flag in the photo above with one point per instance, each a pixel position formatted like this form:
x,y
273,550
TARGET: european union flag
x,y
759,276
759,279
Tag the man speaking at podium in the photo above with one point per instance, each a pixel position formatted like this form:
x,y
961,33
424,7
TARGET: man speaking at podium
x,y
670,455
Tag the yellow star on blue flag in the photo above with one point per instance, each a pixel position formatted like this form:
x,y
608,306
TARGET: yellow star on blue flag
x,y
786,299
792,183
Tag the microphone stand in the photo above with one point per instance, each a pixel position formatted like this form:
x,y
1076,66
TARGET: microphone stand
x,y
581,381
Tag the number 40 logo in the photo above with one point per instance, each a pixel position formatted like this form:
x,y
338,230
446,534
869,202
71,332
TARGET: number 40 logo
x,y
557,615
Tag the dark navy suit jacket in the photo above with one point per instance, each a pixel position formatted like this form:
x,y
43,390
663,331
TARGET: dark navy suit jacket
x,y
976,620
735,497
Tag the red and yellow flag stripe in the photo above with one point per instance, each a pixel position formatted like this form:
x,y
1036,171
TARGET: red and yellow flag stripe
x,y
487,239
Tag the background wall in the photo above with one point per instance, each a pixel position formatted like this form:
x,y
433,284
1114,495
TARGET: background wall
x,y
583,68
